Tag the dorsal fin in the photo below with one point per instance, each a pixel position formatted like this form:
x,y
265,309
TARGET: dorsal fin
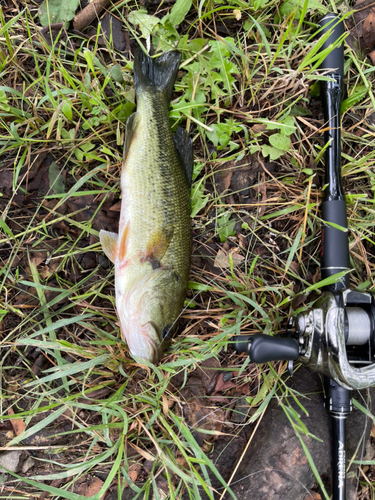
x,y
184,148
130,132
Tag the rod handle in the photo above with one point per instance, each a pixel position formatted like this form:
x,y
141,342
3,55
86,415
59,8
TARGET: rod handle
x,y
335,245
335,59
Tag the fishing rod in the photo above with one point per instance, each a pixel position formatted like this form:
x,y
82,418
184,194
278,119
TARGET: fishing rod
x,y
336,337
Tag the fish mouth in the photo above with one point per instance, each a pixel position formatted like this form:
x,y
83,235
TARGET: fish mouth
x,y
147,344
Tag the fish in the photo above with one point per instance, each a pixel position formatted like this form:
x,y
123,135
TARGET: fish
x,y
152,250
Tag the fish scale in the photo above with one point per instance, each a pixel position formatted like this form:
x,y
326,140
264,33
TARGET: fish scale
x,y
152,251
154,184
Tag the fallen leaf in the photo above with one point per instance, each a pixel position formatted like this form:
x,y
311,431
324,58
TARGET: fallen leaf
x,y
6,179
55,483
116,207
219,399
88,486
368,30
94,395
208,371
37,176
245,389
111,26
247,173
202,417
295,267
56,179
37,364
163,488
47,271
223,178
222,259
259,128
221,385
314,495
133,472
181,460
298,301
165,404
17,423
46,436
371,55
37,258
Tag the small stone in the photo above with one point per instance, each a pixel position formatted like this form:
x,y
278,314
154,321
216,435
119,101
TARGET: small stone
x,y
371,118
241,411
103,261
148,465
28,464
10,460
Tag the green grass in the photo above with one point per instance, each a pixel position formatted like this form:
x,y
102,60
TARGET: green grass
x,y
248,92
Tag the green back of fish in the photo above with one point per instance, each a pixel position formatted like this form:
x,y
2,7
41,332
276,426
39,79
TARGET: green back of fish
x,y
154,175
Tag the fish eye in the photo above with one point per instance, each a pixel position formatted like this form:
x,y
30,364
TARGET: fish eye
x,y
166,332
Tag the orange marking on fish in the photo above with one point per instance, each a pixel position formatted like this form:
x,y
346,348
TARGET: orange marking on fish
x,y
123,243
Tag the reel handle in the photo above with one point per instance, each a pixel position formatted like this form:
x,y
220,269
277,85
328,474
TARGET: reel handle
x,y
263,348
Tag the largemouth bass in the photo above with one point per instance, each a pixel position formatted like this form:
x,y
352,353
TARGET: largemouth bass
x,y
152,250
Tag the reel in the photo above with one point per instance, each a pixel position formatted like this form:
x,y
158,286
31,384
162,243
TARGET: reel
x,y
336,338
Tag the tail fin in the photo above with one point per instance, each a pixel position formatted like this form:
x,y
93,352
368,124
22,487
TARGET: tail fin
x,y
159,74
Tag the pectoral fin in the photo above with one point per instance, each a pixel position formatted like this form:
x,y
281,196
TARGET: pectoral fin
x,y
108,241
157,247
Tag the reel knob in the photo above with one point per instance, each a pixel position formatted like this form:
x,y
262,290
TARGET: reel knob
x,y
263,348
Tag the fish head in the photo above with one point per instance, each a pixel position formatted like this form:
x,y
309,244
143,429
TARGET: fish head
x,y
149,312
